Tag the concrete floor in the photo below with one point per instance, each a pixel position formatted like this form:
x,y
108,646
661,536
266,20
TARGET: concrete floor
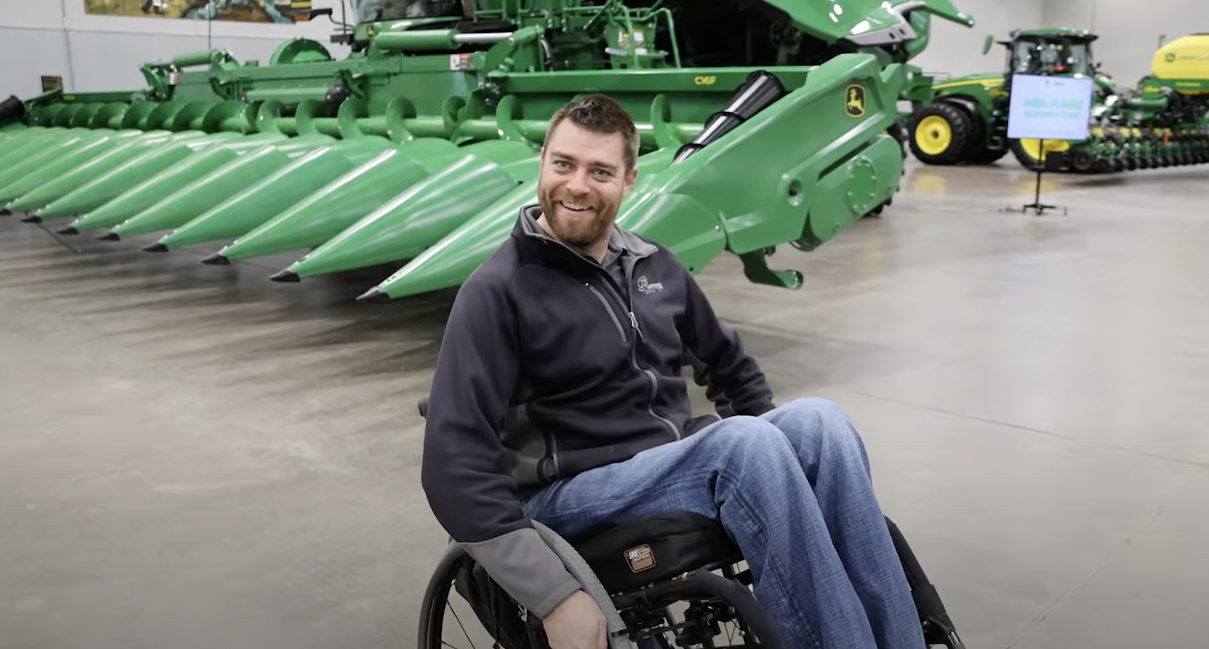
x,y
194,456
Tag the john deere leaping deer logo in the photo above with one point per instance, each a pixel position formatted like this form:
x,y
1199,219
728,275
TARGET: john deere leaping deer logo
x,y
854,100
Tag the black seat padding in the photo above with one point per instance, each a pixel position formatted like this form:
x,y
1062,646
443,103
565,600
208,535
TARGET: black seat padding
x,y
654,548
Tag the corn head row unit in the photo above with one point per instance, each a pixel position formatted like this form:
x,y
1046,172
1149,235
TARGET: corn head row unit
x,y
762,123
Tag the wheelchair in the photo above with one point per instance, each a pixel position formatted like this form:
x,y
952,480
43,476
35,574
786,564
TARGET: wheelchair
x,y
655,579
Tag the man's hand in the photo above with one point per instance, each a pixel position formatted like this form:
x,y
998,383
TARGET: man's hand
x,y
577,623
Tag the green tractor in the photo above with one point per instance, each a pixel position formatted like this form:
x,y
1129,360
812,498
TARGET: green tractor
x,y
1162,123
762,124
968,118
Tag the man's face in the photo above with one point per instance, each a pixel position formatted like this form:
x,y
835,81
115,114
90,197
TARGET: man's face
x,y
583,180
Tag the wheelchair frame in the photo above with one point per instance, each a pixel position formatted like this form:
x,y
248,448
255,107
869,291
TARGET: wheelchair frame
x,y
638,613
698,585
700,580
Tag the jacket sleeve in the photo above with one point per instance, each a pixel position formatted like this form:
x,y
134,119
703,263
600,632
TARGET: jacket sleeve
x,y
721,360
464,472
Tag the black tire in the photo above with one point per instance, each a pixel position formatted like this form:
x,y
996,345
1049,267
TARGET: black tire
x,y
987,155
1083,161
432,611
977,152
946,128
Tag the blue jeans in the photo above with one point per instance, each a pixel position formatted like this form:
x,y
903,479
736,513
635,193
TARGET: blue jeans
x,y
793,489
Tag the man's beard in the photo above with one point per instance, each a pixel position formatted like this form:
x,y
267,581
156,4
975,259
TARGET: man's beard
x,y
579,231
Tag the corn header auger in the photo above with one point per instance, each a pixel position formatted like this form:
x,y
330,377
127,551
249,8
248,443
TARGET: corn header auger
x,y
1162,122
761,124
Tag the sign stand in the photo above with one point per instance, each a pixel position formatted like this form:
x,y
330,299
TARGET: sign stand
x,y
1048,108
1037,206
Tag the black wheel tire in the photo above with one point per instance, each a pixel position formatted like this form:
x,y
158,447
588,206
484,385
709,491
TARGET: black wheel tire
x,y
940,122
977,152
1083,161
986,155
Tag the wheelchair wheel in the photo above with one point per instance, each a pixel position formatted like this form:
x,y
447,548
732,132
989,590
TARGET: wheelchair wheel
x,y
579,569
463,607
462,600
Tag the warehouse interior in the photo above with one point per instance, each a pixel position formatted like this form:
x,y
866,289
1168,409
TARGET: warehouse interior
x,y
194,456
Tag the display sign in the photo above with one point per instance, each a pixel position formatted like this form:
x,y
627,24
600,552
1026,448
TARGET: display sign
x,y
1050,108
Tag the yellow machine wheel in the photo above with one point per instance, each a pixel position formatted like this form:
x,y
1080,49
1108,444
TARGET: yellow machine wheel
x,y
940,134
1029,151
934,135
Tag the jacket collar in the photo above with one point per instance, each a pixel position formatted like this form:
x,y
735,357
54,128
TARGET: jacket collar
x,y
531,236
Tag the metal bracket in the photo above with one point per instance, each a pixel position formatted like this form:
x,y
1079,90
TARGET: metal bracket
x,y
755,267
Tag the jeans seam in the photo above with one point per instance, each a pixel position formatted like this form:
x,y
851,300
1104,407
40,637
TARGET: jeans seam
x,y
757,528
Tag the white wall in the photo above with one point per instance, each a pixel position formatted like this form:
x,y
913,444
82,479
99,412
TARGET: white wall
x,y
91,52
1129,32
957,50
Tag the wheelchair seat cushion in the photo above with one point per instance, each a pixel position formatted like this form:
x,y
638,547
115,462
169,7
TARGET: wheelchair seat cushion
x,y
655,548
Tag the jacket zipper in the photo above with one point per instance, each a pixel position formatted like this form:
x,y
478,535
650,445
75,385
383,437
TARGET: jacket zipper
x,y
634,324
634,356
609,309
554,456
633,347
650,375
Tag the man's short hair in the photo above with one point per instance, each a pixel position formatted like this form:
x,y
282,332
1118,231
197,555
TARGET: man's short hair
x,y
601,114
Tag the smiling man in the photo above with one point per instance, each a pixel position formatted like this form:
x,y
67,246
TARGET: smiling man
x,y
585,176
558,397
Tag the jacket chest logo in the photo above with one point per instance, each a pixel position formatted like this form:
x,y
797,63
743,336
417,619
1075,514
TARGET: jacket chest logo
x,y
647,287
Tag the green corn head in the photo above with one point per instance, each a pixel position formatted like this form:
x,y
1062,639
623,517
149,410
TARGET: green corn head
x,y
761,124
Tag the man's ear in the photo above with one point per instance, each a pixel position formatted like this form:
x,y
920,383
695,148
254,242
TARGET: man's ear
x,y
630,176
